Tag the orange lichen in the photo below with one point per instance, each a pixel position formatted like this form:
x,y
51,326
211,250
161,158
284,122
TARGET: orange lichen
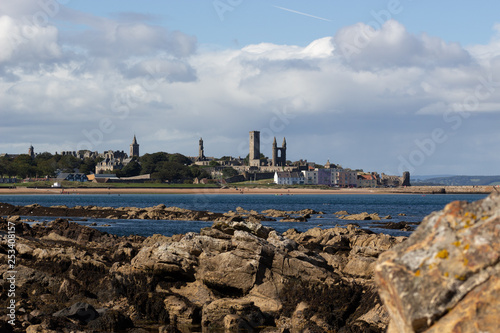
x,y
443,254
466,247
460,277
466,261
417,273
457,243
446,274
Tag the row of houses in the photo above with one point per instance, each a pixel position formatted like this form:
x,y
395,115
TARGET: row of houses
x,y
328,177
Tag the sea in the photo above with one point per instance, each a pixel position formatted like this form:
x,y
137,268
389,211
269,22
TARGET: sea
x,y
401,207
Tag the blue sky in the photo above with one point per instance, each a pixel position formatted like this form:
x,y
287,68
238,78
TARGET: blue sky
x,y
382,86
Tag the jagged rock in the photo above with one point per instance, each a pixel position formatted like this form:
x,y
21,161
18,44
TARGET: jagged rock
x,y
294,219
111,321
274,213
243,269
233,315
82,312
446,276
361,217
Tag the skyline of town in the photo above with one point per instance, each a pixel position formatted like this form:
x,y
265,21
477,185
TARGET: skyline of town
x,y
387,85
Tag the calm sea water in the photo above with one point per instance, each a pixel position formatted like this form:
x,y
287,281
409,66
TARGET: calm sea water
x,y
416,207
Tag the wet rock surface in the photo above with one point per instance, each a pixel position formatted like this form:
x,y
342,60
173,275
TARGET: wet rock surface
x,y
234,276
446,276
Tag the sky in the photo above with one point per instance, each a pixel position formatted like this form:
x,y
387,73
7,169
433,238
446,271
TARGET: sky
x,y
386,86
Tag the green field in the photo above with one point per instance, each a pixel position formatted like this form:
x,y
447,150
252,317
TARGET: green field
x,y
68,184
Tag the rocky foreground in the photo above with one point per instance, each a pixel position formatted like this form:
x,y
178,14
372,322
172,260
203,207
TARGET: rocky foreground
x,y
239,275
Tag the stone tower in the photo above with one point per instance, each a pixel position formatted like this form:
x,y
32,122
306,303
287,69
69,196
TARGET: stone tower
x,y
279,153
31,151
134,148
254,156
201,151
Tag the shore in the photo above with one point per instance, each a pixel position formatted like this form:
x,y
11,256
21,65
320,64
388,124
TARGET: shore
x,y
254,190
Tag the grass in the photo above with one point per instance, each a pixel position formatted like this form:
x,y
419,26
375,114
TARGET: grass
x,y
269,183
69,184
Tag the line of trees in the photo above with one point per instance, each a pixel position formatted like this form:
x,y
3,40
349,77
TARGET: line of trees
x,y
44,165
162,166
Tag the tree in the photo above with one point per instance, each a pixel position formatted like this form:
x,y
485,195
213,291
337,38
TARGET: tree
x,y
133,168
68,163
198,172
179,158
88,165
229,172
149,161
24,166
171,171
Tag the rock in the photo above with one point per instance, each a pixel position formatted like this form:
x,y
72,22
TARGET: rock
x,y
82,312
234,315
361,216
446,276
341,212
111,321
14,218
235,275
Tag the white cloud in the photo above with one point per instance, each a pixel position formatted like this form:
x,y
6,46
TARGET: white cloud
x,y
363,47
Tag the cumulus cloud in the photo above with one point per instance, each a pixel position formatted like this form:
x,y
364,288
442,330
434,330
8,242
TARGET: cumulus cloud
x,y
363,47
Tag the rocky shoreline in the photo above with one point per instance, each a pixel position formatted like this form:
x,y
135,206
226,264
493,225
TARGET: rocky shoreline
x,y
234,275
162,212
239,275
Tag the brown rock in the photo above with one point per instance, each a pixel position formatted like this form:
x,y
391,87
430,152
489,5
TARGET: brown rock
x,y
445,276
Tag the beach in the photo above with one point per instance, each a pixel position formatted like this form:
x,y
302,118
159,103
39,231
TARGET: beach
x,y
251,190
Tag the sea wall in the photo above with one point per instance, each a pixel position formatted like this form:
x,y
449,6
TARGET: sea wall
x,y
441,189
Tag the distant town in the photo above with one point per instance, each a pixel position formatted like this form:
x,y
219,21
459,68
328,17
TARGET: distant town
x,y
116,166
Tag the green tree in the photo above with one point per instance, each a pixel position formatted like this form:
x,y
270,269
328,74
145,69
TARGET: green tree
x,y
149,162
24,166
171,171
69,163
229,172
133,168
199,172
179,158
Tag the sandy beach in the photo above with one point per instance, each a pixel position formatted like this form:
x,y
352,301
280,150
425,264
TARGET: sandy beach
x,y
244,190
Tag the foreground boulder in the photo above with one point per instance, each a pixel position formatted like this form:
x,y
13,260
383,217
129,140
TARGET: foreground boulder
x,y
446,276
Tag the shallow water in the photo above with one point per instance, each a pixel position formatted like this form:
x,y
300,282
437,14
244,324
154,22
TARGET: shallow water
x,y
414,206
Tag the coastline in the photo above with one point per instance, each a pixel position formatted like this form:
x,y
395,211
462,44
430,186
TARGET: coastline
x,y
253,190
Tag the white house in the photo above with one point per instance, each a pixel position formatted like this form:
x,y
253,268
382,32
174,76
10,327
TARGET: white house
x,y
288,178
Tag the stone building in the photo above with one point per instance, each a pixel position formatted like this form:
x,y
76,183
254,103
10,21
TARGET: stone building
x,y
134,148
279,154
201,151
254,154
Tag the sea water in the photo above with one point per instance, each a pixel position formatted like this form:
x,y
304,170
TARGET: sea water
x,y
401,207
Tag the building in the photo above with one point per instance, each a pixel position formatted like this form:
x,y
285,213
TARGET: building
x,y
31,152
288,178
310,177
201,151
367,180
134,148
345,178
254,154
279,154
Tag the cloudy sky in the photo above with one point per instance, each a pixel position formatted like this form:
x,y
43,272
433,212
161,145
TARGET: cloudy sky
x,y
383,86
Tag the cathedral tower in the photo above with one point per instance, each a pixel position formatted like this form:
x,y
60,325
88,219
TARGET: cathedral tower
x,y
254,155
201,151
134,148
279,153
